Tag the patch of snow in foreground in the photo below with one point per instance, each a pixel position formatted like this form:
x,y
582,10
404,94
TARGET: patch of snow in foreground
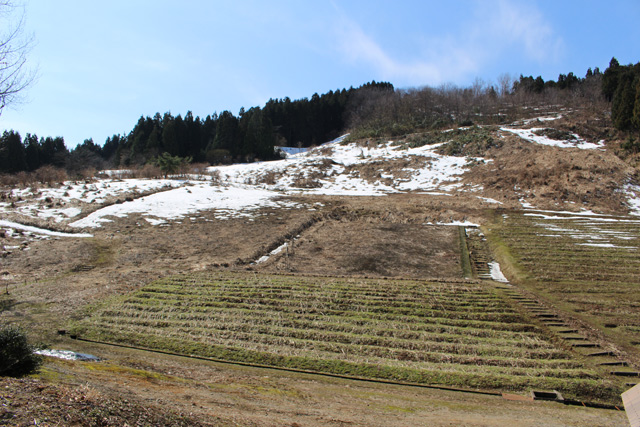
x,y
68,355
97,192
59,215
496,272
578,216
526,204
584,212
433,171
440,169
542,119
604,245
529,135
37,230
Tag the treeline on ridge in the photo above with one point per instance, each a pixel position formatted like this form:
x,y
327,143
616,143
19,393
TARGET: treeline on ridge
x,y
218,138
372,110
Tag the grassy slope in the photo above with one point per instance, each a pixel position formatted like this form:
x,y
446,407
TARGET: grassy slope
x,y
453,334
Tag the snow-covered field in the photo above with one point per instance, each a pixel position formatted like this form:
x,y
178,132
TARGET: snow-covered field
x,y
239,190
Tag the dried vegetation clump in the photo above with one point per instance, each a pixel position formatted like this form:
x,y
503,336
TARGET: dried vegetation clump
x,y
35,402
550,178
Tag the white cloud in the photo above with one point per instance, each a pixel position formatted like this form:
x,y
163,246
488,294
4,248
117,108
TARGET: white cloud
x,y
519,25
359,47
500,28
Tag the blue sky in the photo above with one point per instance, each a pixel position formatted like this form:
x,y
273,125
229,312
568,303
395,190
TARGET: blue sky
x,y
102,65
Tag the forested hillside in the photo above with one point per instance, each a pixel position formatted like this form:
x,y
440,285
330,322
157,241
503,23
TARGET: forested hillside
x,y
372,110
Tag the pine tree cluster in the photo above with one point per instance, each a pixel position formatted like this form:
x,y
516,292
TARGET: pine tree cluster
x,y
621,86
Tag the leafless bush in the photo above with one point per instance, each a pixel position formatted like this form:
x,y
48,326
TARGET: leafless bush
x,y
216,177
268,178
310,180
9,180
326,151
50,175
148,171
86,173
199,170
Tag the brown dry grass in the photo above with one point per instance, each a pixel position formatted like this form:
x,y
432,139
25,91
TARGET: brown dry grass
x,y
372,248
550,178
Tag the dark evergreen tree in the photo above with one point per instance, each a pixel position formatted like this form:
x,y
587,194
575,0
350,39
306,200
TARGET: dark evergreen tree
x,y
84,156
610,79
635,120
226,133
154,142
32,152
17,357
623,101
170,138
12,152
111,146
53,151
258,139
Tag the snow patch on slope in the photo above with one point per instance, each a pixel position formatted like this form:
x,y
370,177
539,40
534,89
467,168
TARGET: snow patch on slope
x,y
41,231
531,136
180,202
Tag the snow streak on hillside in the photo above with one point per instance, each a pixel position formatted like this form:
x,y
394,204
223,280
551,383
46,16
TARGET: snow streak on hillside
x,y
180,202
536,135
335,169
332,169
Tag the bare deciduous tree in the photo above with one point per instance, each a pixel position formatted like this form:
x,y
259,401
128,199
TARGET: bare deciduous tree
x,y
505,84
15,76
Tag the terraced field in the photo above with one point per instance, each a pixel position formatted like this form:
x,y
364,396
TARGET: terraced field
x,y
586,264
457,334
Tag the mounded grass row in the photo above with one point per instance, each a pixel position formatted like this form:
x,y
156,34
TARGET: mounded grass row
x,y
453,334
588,265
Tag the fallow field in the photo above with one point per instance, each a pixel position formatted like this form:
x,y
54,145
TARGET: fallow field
x,y
467,334
586,265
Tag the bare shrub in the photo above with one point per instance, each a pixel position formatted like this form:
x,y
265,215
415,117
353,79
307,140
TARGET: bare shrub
x,y
8,180
86,173
269,178
326,150
216,177
311,180
199,170
50,175
148,171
